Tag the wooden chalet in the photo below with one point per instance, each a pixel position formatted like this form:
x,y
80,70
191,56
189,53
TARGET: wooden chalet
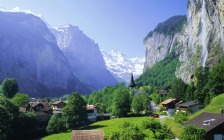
x,y
92,112
189,107
211,122
169,105
43,112
58,105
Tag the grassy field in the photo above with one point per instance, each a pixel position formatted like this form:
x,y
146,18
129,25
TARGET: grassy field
x,y
216,104
108,126
175,127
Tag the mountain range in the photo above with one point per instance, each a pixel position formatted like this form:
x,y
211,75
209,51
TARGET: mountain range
x,y
122,66
49,61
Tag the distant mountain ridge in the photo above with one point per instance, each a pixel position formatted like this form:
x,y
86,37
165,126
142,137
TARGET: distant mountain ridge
x,y
122,66
84,56
47,61
31,55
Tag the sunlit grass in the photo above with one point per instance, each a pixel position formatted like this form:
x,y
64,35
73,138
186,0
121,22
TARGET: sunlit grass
x,y
174,126
60,136
108,126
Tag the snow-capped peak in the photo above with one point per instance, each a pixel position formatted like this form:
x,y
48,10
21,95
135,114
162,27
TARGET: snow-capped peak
x,y
18,9
121,65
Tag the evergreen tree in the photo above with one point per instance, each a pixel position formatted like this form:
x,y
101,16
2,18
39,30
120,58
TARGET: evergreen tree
x,y
9,87
75,111
178,89
121,102
201,75
216,79
56,124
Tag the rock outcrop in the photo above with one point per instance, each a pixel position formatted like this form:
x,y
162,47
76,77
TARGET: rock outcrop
x,y
84,56
200,42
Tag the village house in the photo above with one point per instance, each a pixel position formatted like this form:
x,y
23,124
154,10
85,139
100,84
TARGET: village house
x,y
169,105
57,106
211,122
92,112
189,107
43,112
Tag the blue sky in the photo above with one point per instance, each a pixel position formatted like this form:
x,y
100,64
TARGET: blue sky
x,y
113,24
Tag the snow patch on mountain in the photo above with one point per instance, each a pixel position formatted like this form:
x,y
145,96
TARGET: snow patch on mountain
x,y
122,66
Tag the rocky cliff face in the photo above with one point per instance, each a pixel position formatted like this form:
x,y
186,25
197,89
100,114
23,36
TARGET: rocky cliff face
x,y
84,56
199,43
29,53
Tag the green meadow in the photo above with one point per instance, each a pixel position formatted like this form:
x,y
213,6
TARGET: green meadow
x,y
108,126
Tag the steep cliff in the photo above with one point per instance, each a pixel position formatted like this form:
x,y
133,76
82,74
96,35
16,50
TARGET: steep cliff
x,y
84,56
29,53
200,42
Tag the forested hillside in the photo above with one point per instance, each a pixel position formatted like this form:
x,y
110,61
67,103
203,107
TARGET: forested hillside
x,y
161,74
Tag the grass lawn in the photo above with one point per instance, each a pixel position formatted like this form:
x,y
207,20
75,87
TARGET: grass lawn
x,y
60,136
108,126
175,127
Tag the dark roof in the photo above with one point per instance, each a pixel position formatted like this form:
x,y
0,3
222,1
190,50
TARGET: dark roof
x,y
163,92
206,120
188,104
34,104
58,102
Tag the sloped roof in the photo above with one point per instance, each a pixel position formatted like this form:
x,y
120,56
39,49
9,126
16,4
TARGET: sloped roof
x,y
57,102
46,106
188,104
199,121
168,101
91,107
34,104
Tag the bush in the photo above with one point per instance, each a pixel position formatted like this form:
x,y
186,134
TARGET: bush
x,y
192,133
180,117
56,124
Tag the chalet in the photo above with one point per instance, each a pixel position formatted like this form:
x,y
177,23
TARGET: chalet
x,y
211,122
35,106
42,111
92,112
189,107
58,105
169,105
46,108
